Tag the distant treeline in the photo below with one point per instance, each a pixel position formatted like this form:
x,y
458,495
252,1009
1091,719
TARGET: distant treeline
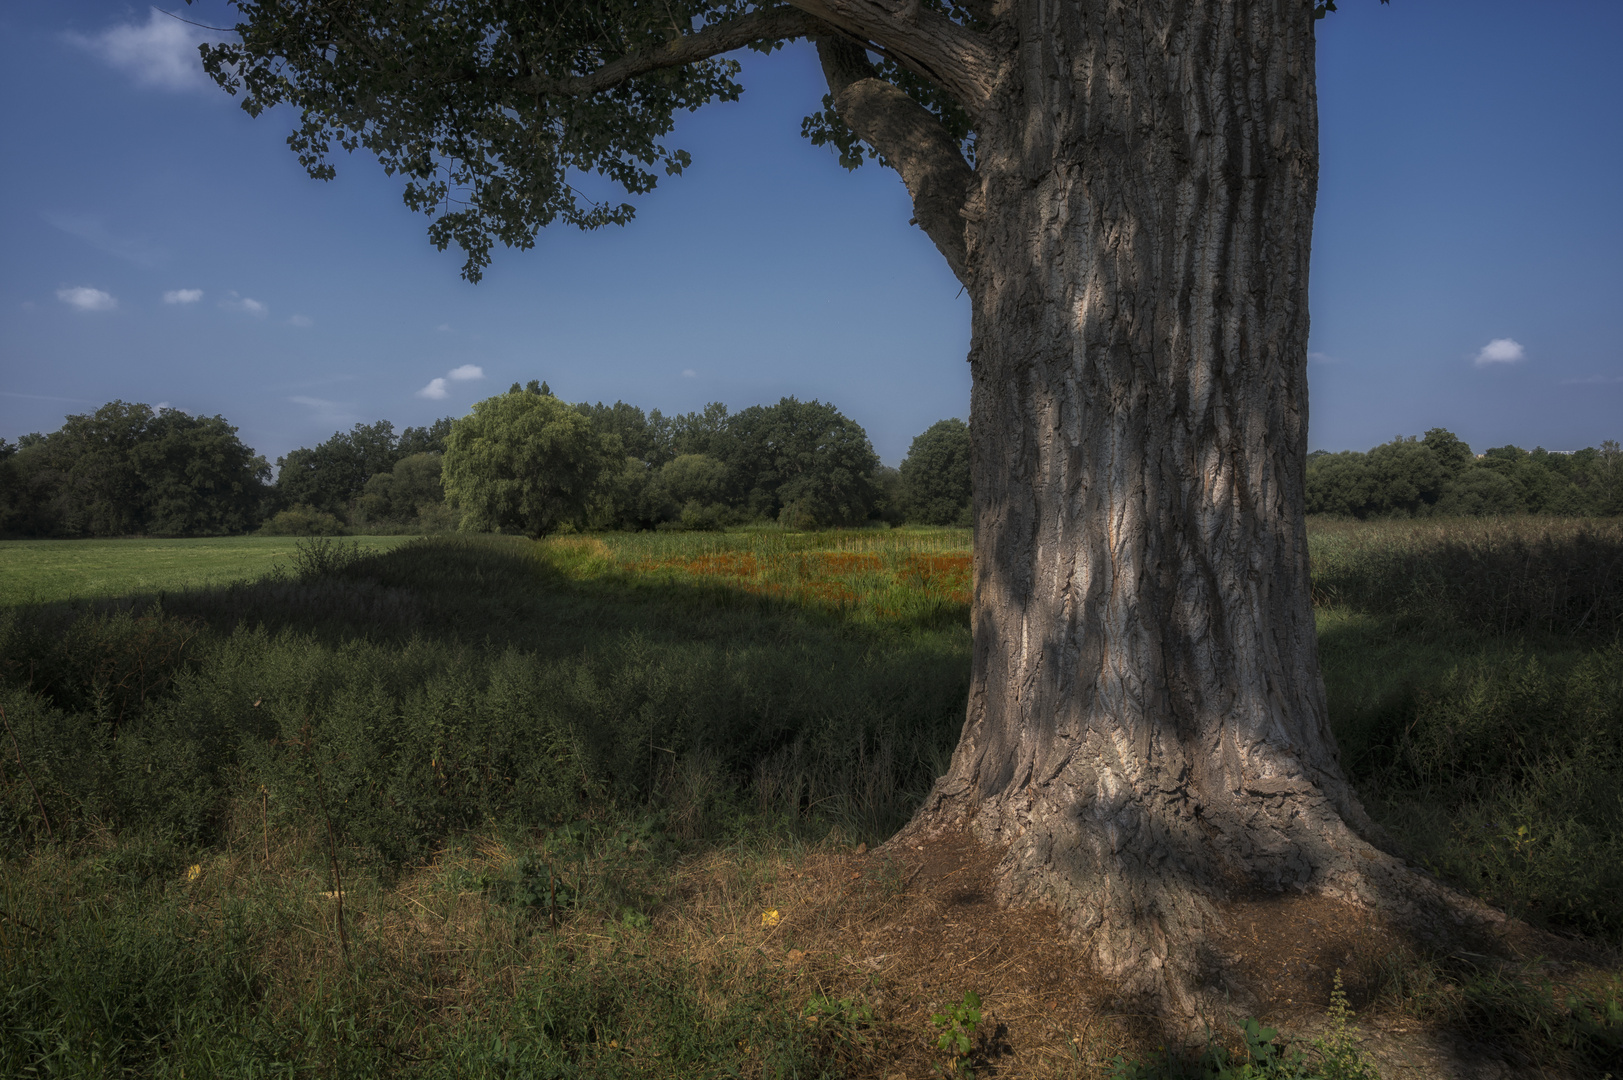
x,y
527,462
521,462
1438,475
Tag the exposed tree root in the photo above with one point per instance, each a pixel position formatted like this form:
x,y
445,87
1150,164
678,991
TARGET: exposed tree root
x,y
1149,887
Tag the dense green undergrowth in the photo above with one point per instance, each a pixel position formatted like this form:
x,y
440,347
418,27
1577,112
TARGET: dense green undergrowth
x,y
1475,679
614,705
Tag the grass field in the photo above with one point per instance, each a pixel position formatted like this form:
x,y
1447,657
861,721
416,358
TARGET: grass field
x,y
476,806
44,571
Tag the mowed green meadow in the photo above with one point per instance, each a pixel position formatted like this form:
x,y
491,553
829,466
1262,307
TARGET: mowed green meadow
x,y
486,806
43,571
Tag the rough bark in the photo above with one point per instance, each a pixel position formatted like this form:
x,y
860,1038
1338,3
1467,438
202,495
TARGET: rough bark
x,y
1147,731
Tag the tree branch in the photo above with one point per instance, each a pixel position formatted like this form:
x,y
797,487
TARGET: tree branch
x,y
912,141
954,57
959,60
769,24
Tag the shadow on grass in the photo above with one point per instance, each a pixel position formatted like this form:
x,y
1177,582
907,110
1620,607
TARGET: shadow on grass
x,y
454,682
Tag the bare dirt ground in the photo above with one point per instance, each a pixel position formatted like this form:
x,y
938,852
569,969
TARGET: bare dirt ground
x,y
911,931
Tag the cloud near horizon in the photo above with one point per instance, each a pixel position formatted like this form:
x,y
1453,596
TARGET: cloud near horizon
x,y
1500,351
183,296
86,299
439,389
161,54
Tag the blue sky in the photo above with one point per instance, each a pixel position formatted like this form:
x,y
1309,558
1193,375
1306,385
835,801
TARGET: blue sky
x,y
158,245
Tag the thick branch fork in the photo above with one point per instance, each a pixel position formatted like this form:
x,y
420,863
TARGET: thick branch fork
x,y
955,57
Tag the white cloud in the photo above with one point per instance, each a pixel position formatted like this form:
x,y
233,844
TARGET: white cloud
x,y
302,321
234,302
444,328
465,372
183,296
1322,358
1501,350
314,402
92,231
434,391
161,54
86,299
689,373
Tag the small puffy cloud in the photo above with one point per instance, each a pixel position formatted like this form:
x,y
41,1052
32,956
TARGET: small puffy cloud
x,y
161,54
1321,358
466,372
689,373
1500,351
434,391
302,321
86,299
234,302
183,296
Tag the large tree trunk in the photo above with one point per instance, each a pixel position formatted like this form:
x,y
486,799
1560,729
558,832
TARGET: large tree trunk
x,y
1147,730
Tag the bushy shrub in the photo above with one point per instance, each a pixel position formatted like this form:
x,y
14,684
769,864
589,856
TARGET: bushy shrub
x,y
302,520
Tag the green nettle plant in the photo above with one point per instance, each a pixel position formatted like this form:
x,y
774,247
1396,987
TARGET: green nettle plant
x,y
957,1023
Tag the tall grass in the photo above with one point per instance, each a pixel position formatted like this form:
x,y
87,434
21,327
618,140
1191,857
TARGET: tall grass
x,y
1498,576
1475,676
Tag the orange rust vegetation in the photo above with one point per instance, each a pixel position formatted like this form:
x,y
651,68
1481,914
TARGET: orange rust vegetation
x,y
838,580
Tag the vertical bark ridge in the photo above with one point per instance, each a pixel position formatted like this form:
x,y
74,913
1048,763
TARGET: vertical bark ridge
x,y
1147,729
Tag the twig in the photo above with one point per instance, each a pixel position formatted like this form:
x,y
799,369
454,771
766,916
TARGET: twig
x,y
19,752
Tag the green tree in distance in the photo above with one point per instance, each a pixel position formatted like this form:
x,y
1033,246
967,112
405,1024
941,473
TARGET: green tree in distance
x,y
412,487
332,474
803,462
525,462
127,469
935,475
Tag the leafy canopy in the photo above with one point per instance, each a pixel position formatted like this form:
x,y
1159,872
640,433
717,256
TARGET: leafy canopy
x,y
525,462
478,104
505,116
935,474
